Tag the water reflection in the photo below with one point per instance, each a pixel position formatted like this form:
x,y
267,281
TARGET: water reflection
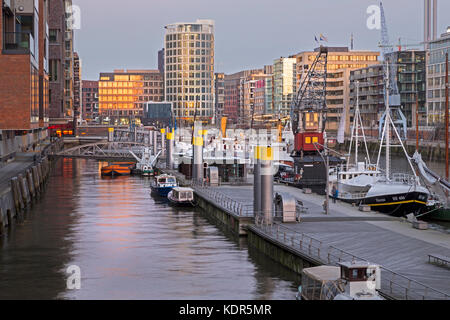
x,y
128,245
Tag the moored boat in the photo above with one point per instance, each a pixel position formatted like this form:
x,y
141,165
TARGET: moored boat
x,y
356,280
181,196
163,184
117,169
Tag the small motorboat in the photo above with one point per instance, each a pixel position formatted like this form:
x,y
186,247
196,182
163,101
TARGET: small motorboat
x,y
163,184
181,196
356,280
117,169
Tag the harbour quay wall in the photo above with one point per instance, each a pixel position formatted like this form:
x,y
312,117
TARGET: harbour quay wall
x,y
230,214
278,251
23,188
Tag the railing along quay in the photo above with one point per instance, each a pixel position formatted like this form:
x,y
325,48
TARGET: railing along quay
x,y
393,284
235,207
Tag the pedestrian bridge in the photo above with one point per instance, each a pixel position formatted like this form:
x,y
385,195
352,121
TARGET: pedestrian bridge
x,y
104,151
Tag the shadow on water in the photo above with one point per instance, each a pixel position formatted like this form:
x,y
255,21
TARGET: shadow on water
x,y
34,253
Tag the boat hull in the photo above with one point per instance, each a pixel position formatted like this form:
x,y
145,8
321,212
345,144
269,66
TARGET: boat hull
x,y
109,172
180,203
441,214
161,191
397,205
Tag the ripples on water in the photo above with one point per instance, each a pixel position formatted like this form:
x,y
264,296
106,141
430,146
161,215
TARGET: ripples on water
x,y
128,245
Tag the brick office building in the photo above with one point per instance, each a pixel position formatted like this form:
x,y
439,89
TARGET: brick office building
x,y
89,100
61,61
23,76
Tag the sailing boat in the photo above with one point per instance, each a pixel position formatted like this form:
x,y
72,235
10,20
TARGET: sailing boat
x,y
397,194
357,178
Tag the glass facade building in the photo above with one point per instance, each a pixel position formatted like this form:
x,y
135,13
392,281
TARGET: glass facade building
x,y
436,79
284,77
189,70
122,94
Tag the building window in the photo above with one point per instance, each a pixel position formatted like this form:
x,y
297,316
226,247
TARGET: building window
x,y
54,70
53,35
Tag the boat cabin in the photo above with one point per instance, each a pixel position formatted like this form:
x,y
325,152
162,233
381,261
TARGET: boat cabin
x,y
350,280
361,278
183,194
166,181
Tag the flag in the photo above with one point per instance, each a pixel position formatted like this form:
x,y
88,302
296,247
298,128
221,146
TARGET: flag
x,y
323,38
315,38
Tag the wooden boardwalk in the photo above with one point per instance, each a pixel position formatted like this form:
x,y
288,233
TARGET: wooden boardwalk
x,y
347,233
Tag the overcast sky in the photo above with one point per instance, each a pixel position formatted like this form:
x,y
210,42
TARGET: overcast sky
x,y
118,34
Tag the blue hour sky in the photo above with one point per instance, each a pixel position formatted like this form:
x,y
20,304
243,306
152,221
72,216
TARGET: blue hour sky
x,y
118,34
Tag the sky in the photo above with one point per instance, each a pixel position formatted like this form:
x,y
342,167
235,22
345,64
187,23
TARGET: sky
x,y
118,34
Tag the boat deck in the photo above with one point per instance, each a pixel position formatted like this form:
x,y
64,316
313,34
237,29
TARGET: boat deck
x,y
378,238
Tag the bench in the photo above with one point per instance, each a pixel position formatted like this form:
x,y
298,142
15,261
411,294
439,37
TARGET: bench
x,y
438,259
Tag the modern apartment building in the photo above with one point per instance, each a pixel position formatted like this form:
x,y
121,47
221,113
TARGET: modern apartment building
x,y
284,84
219,89
189,70
341,61
371,96
234,94
248,87
61,61
23,75
436,79
77,87
122,94
411,84
89,100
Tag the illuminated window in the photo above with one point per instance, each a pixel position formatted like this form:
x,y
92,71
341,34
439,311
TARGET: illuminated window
x,y
308,140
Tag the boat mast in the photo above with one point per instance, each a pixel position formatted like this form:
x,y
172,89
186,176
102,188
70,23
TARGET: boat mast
x,y
387,123
357,123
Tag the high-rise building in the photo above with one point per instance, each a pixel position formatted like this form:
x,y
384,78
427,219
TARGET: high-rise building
x,y
219,89
122,94
284,84
77,86
161,61
436,79
89,100
61,63
189,70
430,21
341,61
411,84
23,75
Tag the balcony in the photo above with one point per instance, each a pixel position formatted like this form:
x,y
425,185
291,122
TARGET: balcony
x,y
18,43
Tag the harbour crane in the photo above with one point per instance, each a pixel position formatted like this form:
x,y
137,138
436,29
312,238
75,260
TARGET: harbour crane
x,y
309,106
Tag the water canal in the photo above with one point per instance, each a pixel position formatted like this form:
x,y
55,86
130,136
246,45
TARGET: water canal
x,y
128,245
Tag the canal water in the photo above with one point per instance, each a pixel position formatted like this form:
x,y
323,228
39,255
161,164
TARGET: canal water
x,y
128,245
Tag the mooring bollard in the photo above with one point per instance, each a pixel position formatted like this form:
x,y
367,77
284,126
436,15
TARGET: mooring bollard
x,y
35,178
2,219
30,183
41,177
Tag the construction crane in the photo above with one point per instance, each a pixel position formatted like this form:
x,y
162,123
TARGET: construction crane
x,y
391,67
